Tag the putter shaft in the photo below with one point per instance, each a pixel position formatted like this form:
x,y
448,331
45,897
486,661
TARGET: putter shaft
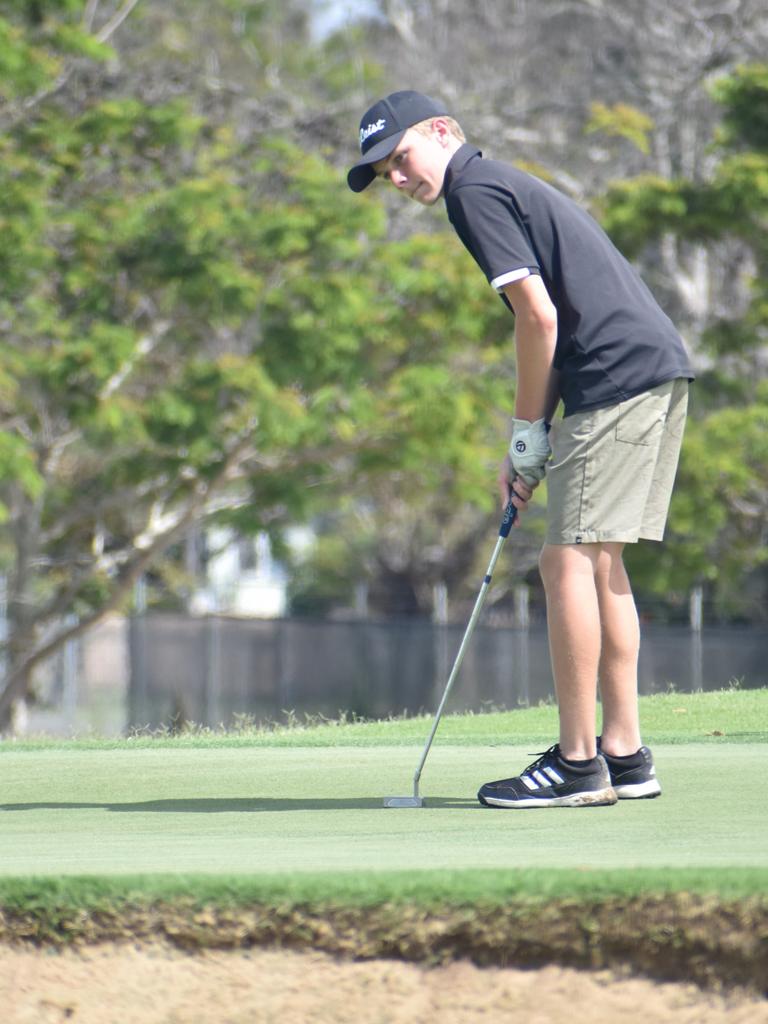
x,y
510,513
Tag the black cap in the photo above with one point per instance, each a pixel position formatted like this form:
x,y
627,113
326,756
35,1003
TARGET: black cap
x,y
382,127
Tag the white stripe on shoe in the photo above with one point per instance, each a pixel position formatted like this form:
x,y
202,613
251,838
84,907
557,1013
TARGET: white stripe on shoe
x,y
544,777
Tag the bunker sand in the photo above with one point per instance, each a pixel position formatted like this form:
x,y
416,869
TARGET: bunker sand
x,y
158,984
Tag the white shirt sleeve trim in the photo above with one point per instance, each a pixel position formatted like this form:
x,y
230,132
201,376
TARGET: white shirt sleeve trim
x,y
508,278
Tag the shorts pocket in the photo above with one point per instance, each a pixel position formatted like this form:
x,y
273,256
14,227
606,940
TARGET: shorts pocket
x,y
641,420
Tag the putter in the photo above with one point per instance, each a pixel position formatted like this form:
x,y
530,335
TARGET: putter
x,y
510,512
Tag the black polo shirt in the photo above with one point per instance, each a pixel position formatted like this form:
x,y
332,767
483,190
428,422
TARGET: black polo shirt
x,y
613,339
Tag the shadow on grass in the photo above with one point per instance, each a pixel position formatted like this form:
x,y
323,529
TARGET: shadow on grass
x,y
240,805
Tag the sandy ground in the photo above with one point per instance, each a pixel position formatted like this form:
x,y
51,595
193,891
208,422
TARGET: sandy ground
x,y
158,985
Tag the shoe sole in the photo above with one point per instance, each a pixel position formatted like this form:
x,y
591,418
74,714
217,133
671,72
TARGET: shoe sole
x,y
596,798
638,790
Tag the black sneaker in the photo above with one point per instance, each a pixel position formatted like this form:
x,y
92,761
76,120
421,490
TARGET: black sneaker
x,y
552,782
633,777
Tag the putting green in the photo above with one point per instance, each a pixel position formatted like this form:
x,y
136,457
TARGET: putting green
x,y
228,810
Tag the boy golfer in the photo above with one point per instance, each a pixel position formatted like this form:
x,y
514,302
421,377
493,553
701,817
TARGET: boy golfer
x,y
589,334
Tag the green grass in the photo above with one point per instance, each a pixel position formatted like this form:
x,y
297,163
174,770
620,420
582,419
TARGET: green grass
x,y
723,716
422,888
300,810
279,837
231,812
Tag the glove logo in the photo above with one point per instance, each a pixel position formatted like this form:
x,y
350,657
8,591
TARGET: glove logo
x,y
520,447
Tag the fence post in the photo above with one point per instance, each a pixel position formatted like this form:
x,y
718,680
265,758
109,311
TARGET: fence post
x,y
360,600
440,636
523,660
212,680
279,631
137,670
440,603
138,654
696,613
696,608
3,622
69,674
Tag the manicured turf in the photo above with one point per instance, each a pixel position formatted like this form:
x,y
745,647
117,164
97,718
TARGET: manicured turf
x,y
230,809
722,716
280,837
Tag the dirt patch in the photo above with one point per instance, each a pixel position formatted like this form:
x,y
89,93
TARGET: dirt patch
x,y
715,943
158,984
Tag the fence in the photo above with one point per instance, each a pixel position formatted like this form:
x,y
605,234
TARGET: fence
x,y
209,670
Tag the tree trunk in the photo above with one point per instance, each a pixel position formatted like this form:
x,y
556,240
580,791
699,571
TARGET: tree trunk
x,y
22,633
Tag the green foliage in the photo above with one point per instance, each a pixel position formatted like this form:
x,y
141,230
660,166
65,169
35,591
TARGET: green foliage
x,y
323,582
191,332
731,203
721,504
71,40
35,41
744,98
622,121
642,208
23,67
17,463
717,517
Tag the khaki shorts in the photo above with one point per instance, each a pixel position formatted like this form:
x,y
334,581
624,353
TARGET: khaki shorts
x,y
612,470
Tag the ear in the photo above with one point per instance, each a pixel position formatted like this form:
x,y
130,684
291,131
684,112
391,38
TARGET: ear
x,y
441,130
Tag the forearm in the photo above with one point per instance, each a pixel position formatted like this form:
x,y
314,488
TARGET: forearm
x,y
553,396
537,380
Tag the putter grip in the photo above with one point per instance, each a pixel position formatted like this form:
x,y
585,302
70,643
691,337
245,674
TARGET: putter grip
x,y
510,514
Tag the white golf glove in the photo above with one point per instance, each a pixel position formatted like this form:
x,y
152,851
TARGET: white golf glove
x,y
529,449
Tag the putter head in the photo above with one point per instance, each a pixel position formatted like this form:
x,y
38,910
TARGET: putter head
x,y
403,801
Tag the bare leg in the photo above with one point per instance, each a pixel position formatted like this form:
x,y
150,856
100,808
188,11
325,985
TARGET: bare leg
x,y
573,620
619,653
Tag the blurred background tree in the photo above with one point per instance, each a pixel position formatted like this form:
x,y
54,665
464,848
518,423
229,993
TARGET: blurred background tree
x,y
192,334
200,324
720,511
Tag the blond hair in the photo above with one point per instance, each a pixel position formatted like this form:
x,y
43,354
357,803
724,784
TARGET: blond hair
x,y
425,127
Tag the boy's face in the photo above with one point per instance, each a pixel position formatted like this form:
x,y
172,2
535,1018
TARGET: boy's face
x,y
416,166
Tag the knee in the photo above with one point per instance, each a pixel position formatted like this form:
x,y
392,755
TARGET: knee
x,y
551,567
561,563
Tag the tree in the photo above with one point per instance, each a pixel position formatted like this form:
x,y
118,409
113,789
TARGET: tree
x,y
582,92
192,333
191,327
42,44
553,61
721,507
586,92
